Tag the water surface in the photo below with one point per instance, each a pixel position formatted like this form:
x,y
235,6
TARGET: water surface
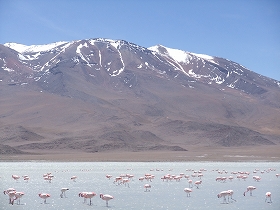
x,y
162,195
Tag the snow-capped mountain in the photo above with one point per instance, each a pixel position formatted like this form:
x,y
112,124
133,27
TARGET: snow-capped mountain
x,y
157,92
38,63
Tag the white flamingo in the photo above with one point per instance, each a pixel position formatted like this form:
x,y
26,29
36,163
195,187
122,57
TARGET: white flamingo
x,y
74,178
106,198
63,190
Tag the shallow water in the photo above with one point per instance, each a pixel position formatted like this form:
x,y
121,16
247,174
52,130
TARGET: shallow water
x,y
162,195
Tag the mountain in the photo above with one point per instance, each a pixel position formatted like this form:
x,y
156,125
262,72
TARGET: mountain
x,y
100,95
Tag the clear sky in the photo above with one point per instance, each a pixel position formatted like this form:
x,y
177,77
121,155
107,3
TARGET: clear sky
x,y
244,31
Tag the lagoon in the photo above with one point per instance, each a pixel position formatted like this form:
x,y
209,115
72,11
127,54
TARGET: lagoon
x,y
91,176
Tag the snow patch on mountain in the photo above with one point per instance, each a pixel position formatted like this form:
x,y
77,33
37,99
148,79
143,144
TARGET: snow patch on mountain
x,y
206,57
177,55
33,48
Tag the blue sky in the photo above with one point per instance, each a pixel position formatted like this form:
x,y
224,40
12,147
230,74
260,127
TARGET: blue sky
x,y
245,31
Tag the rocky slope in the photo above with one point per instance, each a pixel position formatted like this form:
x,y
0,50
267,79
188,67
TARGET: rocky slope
x,y
100,95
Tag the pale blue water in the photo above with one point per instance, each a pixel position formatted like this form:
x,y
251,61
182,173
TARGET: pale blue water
x,y
163,195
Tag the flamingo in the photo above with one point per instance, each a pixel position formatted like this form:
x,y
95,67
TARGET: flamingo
x,y
12,197
86,195
249,188
190,183
257,178
188,191
141,178
81,194
230,195
223,194
197,183
268,196
8,190
26,178
106,197
74,178
125,182
63,190
118,180
44,196
130,176
18,196
15,177
108,176
147,186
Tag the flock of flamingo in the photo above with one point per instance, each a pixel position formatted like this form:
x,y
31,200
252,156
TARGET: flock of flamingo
x,y
124,179
15,195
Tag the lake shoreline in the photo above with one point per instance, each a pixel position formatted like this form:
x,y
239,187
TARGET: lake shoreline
x,y
194,154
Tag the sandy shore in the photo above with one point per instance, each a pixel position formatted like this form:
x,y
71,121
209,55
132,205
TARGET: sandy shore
x,y
256,153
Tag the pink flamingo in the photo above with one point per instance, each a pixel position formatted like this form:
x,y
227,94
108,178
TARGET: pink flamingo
x,y
44,196
63,190
8,190
188,191
15,177
147,186
268,196
108,176
11,194
257,178
223,194
249,188
81,194
118,180
197,183
125,182
86,195
230,195
18,196
106,197
190,183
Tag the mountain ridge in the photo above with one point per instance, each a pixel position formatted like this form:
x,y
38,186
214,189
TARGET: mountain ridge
x,y
112,95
